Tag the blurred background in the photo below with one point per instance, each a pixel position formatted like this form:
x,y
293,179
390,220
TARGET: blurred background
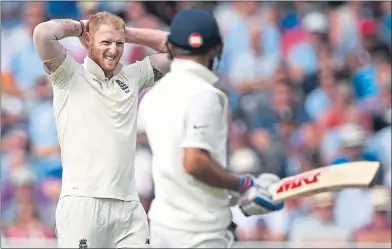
x,y
309,85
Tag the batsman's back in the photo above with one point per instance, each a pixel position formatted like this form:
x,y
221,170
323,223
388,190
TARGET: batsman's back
x,y
185,202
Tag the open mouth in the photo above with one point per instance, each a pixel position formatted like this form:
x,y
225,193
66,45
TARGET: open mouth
x,y
110,58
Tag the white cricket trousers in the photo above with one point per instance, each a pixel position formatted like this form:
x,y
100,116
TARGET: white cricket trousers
x,y
88,222
164,237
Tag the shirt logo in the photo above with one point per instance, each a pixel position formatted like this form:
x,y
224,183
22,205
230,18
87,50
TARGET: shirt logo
x,y
123,86
199,126
82,244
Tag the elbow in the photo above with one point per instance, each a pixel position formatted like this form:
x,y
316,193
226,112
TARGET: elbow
x,y
194,161
161,62
40,32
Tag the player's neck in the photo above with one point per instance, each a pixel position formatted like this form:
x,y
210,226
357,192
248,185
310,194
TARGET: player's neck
x,y
108,75
196,59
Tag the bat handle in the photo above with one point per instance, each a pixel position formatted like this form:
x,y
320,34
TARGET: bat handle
x,y
272,188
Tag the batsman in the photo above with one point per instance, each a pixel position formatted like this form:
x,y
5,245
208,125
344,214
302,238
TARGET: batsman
x,y
185,119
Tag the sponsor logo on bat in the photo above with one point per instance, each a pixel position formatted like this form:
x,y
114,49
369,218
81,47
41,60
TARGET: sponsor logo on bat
x,y
298,182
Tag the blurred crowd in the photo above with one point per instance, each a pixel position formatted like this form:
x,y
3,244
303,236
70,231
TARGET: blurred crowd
x,y
309,85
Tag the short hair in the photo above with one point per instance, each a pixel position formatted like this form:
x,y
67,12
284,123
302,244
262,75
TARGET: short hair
x,y
104,17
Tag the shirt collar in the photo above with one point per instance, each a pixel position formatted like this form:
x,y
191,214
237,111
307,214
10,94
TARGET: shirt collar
x,y
92,67
198,69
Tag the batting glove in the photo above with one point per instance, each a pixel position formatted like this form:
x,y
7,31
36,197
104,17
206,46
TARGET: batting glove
x,y
257,199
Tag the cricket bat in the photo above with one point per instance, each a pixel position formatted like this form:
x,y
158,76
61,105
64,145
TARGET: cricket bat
x,y
329,178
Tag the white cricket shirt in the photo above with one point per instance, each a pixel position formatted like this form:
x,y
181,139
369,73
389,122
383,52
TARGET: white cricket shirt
x,y
185,110
96,123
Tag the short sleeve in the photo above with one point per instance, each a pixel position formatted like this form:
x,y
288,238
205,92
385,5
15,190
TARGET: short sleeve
x,y
141,71
64,73
204,119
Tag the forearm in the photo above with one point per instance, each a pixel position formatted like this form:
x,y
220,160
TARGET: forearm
x,y
47,34
161,65
210,172
154,39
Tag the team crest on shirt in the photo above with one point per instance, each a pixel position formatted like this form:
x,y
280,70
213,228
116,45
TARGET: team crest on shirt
x,y
123,86
82,244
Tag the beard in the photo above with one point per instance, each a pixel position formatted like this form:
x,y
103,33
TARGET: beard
x,y
108,66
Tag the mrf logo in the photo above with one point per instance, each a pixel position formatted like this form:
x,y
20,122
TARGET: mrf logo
x,y
298,182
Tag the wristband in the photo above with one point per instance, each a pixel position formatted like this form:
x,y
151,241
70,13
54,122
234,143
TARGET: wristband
x,y
81,24
245,183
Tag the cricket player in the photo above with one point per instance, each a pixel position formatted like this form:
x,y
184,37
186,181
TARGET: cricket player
x,y
95,106
185,119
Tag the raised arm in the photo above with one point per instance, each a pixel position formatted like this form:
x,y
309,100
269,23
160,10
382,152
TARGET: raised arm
x,y
151,38
155,39
46,36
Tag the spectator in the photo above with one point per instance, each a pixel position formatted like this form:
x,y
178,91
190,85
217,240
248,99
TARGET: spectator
x,y
319,100
364,78
269,150
380,144
353,139
10,15
13,110
14,142
24,62
21,186
345,36
237,38
319,226
28,225
283,104
137,16
386,23
254,68
279,224
8,84
379,229
226,15
59,9
42,130
302,56
342,111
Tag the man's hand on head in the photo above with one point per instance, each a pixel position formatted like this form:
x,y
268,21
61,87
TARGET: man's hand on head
x,y
46,36
83,37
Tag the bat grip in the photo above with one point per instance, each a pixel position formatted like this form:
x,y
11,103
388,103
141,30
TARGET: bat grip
x,y
272,188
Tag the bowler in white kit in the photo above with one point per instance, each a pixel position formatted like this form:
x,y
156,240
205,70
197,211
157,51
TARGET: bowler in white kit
x,y
185,119
95,107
